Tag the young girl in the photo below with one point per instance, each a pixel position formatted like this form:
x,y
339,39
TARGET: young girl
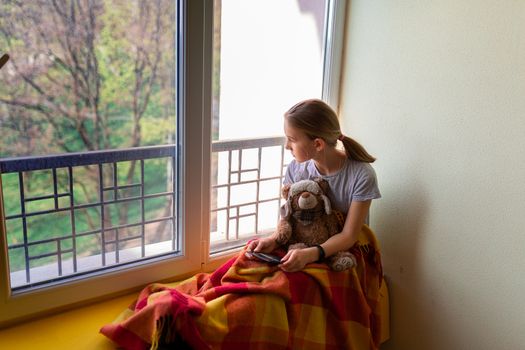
x,y
312,131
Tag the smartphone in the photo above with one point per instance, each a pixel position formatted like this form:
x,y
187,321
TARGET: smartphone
x,y
272,259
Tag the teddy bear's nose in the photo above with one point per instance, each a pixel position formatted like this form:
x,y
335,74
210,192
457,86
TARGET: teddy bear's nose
x,y
307,201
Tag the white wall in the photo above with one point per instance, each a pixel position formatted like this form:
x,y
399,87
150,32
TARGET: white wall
x,y
436,91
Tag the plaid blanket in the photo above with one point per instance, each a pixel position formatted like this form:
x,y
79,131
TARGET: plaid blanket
x,y
246,304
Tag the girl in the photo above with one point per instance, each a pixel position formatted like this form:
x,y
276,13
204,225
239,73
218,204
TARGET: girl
x,y
312,131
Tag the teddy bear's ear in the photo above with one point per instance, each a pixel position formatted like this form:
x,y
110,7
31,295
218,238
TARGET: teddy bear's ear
x,y
286,210
285,191
322,183
327,205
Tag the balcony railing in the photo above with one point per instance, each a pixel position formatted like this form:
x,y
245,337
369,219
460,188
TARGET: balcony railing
x,y
245,190
67,215
73,214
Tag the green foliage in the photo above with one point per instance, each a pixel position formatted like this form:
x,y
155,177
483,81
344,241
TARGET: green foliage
x,y
80,86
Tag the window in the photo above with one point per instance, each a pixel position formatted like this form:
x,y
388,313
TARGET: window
x,y
92,82
106,117
268,56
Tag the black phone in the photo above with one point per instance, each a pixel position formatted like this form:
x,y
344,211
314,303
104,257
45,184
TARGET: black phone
x,y
272,259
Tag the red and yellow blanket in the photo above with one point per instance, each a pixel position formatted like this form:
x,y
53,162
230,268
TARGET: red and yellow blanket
x,y
247,304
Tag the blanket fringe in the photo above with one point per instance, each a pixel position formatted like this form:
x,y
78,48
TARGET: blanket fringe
x,y
165,333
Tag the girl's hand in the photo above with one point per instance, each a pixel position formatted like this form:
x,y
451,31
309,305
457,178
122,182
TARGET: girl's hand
x,y
263,245
296,259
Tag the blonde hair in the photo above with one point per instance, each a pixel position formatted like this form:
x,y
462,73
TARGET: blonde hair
x,y
317,120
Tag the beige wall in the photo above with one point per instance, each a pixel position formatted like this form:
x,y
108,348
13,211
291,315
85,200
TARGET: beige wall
x,y
436,90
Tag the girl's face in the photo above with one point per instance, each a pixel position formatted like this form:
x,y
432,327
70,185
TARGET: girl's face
x,y
301,146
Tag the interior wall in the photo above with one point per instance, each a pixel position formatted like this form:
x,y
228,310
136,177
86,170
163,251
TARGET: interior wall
x,y
436,91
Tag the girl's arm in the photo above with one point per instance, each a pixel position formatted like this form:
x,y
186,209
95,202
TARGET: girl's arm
x,y
296,259
348,236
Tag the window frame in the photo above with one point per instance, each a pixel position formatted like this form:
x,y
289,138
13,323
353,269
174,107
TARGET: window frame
x,y
333,51
195,32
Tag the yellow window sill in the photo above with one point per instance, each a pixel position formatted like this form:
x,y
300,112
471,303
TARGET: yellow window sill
x,y
78,328
74,329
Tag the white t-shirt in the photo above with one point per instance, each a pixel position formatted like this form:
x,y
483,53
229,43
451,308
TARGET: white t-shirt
x,y
355,181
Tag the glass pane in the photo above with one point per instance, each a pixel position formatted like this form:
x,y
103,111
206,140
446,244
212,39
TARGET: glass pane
x,y
90,78
267,57
86,75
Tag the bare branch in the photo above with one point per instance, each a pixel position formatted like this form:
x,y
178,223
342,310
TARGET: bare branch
x,y
41,109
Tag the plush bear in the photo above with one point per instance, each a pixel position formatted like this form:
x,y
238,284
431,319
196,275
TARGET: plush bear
x,y
307,219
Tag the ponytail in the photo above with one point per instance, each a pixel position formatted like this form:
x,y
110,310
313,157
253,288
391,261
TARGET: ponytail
x,y
355,151
317,119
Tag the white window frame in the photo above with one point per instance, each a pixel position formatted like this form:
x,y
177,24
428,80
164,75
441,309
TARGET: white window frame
x,y
333,51
194,95
194,110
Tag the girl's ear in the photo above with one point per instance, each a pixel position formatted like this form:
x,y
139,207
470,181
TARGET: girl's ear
x,y
319,144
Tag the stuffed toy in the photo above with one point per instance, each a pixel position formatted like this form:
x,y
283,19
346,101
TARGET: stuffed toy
x,y
307,220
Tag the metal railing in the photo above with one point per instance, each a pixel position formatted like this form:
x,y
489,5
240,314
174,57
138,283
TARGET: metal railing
x,y
109,241
245,188
249,175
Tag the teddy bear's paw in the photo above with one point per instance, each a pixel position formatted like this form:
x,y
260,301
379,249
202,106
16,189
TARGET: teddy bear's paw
x,y
344,263
297,246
